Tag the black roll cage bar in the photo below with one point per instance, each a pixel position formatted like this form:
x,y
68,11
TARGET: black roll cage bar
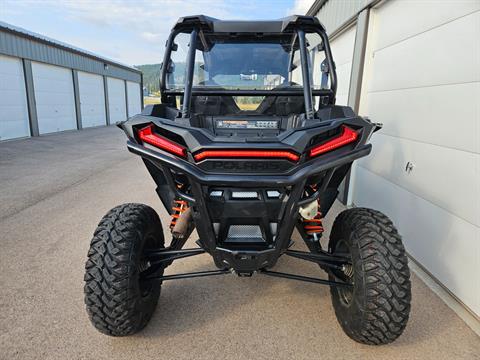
x,y
299,24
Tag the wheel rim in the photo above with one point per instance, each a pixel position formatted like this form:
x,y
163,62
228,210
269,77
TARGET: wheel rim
x,y
347,274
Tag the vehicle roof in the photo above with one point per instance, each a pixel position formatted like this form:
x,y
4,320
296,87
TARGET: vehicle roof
x,y
242,26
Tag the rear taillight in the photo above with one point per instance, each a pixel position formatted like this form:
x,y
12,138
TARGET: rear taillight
x,y
147,135
347,136
278,154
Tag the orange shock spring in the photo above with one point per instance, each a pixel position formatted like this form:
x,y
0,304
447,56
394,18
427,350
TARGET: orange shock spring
x,y
179,207
314,226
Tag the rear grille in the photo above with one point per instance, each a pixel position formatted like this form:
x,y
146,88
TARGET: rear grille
x,y
244,235
244,195
244,231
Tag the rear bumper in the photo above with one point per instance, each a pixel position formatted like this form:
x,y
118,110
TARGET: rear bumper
x,y
292,177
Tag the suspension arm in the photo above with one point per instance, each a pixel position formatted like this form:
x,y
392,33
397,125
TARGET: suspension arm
x,y
190,275
322,258
304,278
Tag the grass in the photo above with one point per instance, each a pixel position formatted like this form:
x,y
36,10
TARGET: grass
x,y
247,106
149,100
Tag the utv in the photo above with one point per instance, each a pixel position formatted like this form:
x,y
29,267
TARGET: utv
x,y
247,145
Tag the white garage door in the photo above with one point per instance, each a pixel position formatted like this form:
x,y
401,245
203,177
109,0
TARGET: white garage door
x,y
13,99
54,98
116,100
422,81
92,99
134,102
342,50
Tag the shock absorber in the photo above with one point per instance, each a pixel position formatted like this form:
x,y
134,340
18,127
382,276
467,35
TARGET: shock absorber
x,y
312,218
179,207
313,226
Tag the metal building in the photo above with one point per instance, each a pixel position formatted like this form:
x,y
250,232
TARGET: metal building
x,y
48,86
415,67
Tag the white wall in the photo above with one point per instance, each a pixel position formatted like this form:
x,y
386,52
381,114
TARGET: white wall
x,y
13,99
422,81
342,50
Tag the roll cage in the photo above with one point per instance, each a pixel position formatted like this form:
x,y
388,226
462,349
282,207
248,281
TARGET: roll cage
x,y
295,25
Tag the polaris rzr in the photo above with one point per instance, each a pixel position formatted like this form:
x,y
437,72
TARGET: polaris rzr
x,y
246,146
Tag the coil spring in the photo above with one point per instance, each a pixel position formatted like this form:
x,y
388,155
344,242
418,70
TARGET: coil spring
x,y
179,207
348,270
314,226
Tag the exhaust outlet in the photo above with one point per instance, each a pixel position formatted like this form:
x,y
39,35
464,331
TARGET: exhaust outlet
x,y
182,225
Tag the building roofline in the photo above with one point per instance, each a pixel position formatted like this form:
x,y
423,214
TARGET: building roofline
x,y
316,6
61,45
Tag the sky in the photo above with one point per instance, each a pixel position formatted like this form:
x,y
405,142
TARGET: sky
x,y
132,32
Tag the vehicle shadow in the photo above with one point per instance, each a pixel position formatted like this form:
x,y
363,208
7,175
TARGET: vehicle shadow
x,y
188,304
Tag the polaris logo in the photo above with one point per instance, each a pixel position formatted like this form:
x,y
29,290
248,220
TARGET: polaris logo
x,y
245,165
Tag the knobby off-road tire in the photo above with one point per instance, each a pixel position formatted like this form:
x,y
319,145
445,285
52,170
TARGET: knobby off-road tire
x,y
376,310
119,302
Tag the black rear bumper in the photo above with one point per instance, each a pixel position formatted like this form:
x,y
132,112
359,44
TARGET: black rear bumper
x,y
248,180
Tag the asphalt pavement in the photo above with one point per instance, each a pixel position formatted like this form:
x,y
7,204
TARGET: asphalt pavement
x,y
53,191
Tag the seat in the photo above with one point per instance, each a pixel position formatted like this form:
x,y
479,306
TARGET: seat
x,y
282,105
214,105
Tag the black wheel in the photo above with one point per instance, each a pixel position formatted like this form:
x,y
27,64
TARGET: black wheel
x,y
119,301
376,308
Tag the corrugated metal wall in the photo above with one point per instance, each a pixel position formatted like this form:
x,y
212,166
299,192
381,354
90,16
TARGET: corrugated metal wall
x,y
19,46
334,14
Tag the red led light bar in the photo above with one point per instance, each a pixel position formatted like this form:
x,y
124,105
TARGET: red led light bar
x,y
279,154
147,135
347,136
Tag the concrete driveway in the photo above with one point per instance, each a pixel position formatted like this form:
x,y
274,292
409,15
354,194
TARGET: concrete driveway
x,y
54,190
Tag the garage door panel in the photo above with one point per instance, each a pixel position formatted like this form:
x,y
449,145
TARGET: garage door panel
x,y
423,114
343,80
56,111
134,102
15,97
12,82
342,51
342,46
54,98
430,58
116,100
53,85
11,129
14,120
421,80
443,176
421,15
429,233
92,99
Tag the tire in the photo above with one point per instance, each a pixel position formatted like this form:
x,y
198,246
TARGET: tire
x,y
375,310
118,301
